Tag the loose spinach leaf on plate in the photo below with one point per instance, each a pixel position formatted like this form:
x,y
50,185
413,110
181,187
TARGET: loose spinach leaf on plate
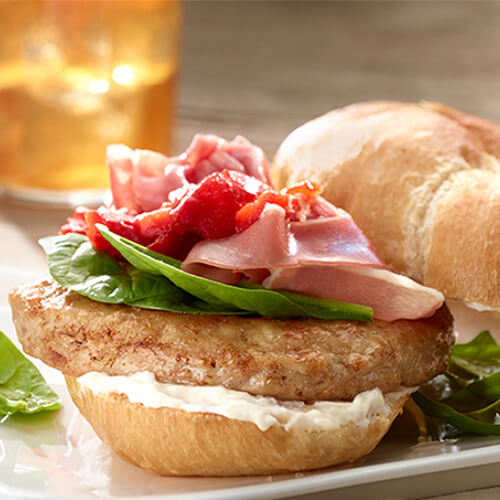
x,y
250,298
467,395
467,423
479,357
22,387
76,265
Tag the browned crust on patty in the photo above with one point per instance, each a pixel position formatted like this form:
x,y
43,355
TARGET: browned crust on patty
x,y
288,359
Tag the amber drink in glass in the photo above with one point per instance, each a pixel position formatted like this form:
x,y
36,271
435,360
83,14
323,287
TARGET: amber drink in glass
x,y
76,76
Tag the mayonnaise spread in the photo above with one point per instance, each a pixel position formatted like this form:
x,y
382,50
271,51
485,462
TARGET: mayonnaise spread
x,y
263,411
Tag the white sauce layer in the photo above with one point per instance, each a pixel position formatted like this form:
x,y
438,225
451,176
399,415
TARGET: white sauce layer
x,y
263,411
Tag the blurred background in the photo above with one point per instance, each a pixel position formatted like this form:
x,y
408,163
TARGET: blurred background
x,y
256,68
77,75
263,68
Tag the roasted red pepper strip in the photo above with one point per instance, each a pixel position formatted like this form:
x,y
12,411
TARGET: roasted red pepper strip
x,y
219,206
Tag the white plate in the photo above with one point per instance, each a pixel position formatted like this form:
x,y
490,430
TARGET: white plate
x,y
58,456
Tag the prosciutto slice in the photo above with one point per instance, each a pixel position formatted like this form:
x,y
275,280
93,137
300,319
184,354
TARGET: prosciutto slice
x,y
392,296
143,180
313,248
327,257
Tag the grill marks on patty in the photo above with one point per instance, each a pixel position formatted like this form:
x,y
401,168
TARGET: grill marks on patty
x,y
287,359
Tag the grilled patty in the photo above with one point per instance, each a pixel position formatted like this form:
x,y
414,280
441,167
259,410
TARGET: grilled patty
x,y
289,359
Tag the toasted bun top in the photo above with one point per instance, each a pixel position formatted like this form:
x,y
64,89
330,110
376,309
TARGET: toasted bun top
x,y
423,183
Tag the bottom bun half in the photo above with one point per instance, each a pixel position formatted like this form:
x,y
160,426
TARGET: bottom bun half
x,y
176,442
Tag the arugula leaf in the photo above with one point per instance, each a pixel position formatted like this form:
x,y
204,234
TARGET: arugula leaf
x,y
467,397
250,298
76,265
22,387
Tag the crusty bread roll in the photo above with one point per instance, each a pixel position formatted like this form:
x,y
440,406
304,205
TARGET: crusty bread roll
x,y
177,442
422,182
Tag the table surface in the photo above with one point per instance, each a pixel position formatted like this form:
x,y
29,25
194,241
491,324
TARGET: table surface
x,y
262,68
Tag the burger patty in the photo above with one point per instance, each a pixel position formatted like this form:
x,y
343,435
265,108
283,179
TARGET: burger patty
x,y
292,359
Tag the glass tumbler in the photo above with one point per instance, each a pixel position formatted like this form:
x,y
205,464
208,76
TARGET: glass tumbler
x,y
75,76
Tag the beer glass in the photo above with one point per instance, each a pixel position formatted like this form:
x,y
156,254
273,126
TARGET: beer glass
x,y
75,76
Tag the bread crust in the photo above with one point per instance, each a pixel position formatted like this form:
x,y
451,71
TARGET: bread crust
x,y
176,442
289,359
422,182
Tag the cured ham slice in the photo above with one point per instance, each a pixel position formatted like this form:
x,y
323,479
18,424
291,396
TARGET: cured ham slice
x,y
143,180
271,242
215,206
391,296
327,257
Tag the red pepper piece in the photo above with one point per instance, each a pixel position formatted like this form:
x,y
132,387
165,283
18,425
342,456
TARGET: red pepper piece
x,y
250,212
118,221
157,231
306,188
210,209
76,223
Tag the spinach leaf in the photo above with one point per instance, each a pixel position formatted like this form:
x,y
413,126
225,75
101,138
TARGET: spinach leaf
x,y
487,387
7,366
76,265
22,387
459,420
487,414
250,298
479,357
467,397
155,281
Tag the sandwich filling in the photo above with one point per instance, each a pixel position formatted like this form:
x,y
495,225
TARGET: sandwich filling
x,y
264,412
214,209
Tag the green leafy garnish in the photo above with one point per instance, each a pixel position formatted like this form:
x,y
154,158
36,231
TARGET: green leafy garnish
x,y
466,398
76,265
479,357
250,298
22,387
155,281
